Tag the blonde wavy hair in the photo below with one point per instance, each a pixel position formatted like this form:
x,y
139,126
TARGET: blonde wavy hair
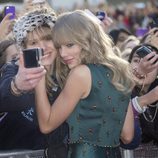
x,y
80,28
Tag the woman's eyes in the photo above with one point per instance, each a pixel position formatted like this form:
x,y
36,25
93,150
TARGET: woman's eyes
x,y
70,45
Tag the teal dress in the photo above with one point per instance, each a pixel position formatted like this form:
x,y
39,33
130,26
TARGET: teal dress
x,y
96,123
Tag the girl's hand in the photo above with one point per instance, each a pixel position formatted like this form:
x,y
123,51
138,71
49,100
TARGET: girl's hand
x,y
148,63
28,78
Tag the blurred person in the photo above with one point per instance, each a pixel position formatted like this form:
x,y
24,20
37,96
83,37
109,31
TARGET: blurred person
x,y
119,36
132,149
128,45
146,84
151,37
17,96
8,51
87,54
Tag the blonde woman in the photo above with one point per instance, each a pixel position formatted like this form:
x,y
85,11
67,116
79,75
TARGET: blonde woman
x,y
95,99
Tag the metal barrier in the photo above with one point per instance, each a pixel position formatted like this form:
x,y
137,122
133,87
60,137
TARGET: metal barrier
x,y
22,154
143,151
146,151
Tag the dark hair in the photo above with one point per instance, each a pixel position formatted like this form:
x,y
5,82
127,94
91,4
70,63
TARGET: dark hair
x,y
114,34
3,46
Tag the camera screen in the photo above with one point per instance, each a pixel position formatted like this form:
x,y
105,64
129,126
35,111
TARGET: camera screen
x,y
32,57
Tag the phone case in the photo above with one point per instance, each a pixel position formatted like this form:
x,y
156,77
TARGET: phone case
x,y
10,9
143,51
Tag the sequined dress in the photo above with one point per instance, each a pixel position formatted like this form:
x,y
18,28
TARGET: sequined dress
x,y
96,123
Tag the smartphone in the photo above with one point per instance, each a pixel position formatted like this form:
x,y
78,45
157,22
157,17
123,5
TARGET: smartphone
x,y
100,15
9,9
143,51
32,57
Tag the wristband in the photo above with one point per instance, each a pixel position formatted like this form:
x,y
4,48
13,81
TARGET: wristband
x,y
137,107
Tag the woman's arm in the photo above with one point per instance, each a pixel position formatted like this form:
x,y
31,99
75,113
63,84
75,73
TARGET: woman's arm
x,y
77,86
128,127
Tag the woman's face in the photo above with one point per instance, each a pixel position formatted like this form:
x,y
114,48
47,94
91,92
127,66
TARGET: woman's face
x,y
121,38
70,54
45,42
150,77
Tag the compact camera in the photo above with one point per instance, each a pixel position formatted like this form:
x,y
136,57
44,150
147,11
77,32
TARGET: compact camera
x,y
32,57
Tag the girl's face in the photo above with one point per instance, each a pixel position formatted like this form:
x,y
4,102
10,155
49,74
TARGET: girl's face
x,y
70,54
45,42
150,77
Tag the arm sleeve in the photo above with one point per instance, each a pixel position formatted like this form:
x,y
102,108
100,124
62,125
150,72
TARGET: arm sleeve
x,y
8,101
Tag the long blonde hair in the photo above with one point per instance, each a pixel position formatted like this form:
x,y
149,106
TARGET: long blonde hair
x,y
80,28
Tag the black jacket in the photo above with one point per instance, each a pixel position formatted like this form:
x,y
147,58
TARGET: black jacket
x,y
19,127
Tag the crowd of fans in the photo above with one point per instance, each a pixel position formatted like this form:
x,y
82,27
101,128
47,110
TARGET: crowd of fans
x,y
131,28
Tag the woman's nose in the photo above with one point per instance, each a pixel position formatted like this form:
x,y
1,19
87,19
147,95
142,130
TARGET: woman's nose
x,y
62,51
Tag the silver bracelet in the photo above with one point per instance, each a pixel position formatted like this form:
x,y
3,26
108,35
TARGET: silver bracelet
x,y
137,107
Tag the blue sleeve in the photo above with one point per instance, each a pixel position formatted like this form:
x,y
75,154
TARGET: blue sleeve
x,y
8,101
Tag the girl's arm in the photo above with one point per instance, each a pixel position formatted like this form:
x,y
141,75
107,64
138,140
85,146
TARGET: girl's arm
x,y
128,127
77,86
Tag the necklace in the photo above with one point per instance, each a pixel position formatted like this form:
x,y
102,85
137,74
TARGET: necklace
x,y
151,118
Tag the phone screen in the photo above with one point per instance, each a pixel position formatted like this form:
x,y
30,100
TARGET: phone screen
x,y
10,9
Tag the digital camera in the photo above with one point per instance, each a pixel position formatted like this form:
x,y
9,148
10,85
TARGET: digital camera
x,y
32,57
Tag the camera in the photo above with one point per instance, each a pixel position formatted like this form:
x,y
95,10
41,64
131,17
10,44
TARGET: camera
x,y
32,57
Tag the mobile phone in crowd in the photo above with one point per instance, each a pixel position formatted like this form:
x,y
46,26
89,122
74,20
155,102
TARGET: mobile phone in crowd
x,y
9,9
32,57
143,51
100,15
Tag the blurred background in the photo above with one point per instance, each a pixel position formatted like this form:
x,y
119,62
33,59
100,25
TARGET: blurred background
x,y
129,14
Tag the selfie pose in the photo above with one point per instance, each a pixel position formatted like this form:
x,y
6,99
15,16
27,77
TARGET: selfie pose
x,y
96,89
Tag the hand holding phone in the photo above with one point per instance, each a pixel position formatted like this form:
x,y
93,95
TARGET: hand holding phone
x,y
10,9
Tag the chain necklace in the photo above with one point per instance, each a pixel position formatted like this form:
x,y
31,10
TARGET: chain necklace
x,y
150,115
